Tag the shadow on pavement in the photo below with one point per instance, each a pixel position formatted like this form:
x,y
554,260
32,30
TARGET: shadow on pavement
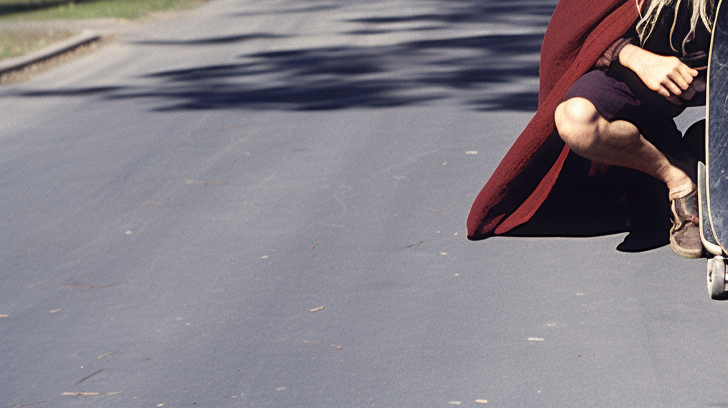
x,y
610,200
290,10
496,70
215,40
459,12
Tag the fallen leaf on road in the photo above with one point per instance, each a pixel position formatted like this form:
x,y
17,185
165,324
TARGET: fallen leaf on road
x,y
316,342
415,245
28,404
80,394
89,376
313,246
318,309
89,394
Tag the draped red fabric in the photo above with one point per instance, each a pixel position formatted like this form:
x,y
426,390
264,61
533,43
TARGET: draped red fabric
x,y
577,35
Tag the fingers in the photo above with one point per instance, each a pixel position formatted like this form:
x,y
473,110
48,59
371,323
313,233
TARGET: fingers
x,y
669,88
691,71
679,79
687,74
663,91
687,95
672,88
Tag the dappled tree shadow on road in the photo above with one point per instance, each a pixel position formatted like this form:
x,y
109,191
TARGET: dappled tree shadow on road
x,y
446,58
345,77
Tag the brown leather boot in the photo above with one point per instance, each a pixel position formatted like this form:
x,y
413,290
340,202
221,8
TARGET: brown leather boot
x,y
685,232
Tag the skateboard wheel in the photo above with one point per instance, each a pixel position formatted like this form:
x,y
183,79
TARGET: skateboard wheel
x,y
716,277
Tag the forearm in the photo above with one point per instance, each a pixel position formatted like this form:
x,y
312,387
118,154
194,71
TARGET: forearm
x,y
630,56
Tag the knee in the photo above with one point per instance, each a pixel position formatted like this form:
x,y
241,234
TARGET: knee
x,y
577,122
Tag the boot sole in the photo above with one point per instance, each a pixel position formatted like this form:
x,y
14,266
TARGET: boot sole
x,y
685,252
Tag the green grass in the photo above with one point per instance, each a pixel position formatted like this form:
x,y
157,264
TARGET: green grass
x,y
81,9
17,43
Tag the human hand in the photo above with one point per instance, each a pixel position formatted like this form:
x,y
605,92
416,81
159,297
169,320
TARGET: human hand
x,y
668,76
697,86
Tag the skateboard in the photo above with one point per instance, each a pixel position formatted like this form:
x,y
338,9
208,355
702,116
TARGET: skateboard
x,y
713,176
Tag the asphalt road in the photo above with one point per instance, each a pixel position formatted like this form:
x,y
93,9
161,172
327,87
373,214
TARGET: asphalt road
x,y
262,203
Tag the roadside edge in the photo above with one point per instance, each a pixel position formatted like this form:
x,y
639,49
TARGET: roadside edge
x,y
19,63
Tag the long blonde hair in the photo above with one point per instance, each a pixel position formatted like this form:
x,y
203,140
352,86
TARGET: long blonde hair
x,y
702,9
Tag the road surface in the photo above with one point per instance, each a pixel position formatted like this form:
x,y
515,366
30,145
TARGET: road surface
x,y
262,204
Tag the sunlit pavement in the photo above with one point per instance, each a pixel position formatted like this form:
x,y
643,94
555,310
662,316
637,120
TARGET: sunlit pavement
x,y
263,203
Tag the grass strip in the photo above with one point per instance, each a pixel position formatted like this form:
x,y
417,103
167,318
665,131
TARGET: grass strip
x,y
34,10
17,43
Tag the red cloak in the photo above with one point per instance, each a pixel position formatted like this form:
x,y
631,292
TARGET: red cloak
x,y
578,34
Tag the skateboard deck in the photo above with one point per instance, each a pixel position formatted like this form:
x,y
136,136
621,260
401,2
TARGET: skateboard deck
x,y
716,177
706,230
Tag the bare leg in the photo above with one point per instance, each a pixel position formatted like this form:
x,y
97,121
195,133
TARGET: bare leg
x,y
619,142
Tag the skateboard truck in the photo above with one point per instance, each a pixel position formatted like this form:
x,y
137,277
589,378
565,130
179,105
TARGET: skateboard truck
x,y
715,276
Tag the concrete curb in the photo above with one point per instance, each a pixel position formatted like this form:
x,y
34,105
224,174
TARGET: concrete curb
x,y
16,64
